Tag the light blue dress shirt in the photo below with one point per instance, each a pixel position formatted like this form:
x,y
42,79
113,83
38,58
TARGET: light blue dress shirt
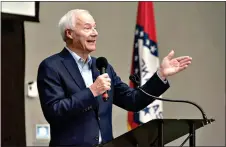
x,y
86,72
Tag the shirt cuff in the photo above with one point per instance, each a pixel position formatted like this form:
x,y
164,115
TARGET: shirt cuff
x,y
163,80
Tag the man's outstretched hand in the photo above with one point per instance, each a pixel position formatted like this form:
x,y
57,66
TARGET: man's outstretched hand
x,y
171,66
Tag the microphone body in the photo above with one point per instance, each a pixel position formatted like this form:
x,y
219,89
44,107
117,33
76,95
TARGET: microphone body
x,y
105,94
101,64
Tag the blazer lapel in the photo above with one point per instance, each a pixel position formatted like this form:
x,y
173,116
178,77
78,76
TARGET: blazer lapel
x,y
72,68
95,72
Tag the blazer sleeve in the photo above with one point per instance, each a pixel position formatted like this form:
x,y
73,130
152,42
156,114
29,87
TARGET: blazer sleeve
x,y
133,99
54,102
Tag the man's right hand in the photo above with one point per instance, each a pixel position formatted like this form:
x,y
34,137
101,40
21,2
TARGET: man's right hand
x,y
102,84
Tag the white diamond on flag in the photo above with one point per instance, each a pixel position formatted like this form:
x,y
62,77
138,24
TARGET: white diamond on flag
x,y
136,70
135,58
136,45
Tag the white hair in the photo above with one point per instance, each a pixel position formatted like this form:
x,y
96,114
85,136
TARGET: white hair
x,y
68,21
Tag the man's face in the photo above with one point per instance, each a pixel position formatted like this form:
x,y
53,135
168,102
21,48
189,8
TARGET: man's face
x,y
84,35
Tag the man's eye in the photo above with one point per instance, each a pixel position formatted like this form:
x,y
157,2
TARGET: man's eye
x,y
89,28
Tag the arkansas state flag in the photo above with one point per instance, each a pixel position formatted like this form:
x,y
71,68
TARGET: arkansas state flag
x,y
145,61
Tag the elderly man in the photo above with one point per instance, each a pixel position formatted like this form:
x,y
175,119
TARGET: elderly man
x,y
71,87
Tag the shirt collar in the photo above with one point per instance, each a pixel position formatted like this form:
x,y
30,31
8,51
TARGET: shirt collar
x,y
78,59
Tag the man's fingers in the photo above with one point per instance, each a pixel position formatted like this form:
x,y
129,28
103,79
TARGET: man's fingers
x,y
101,84
183,67
107,86
183,58
185,63
107,83
105,75
108,80
171,54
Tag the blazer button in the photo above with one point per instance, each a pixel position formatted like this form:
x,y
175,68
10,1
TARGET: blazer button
x,y
98,118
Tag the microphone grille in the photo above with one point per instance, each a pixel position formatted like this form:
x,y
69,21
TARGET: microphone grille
x,y
101,62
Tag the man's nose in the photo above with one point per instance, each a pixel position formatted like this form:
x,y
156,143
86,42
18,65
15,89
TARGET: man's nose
x,y
94,32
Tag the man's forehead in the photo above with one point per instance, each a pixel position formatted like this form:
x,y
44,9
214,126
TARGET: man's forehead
x,y
85,18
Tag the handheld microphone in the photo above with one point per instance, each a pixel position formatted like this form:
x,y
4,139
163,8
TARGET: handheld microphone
x,y
101,64
135,79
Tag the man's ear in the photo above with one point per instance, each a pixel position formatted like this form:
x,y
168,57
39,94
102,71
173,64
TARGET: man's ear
x,y
68,34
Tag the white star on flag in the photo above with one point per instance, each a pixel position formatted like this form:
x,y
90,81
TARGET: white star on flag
x,y
141,34
147,42
137,31
153,48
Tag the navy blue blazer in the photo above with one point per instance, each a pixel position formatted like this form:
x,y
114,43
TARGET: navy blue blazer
x,y
74,114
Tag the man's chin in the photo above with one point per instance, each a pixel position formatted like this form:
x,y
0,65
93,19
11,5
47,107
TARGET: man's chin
x,y
91,49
